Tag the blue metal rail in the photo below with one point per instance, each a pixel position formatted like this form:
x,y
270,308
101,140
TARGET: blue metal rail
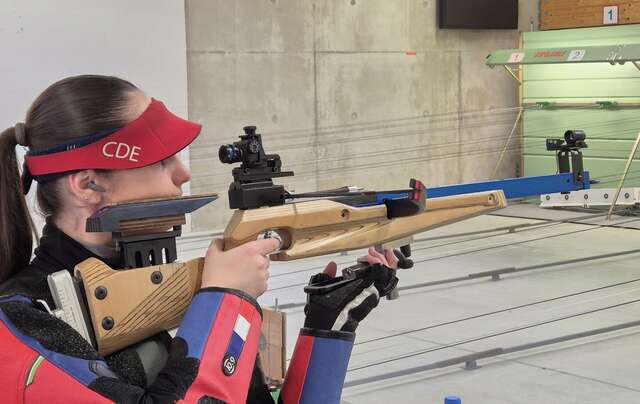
x,y
512,187
517,187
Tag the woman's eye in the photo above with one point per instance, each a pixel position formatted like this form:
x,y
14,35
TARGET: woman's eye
x,y
167,161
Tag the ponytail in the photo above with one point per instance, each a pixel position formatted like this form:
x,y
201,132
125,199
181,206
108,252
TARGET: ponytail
x,y
70,108
16,226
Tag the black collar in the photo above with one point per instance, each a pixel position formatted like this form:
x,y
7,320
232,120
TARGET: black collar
x,y
56,251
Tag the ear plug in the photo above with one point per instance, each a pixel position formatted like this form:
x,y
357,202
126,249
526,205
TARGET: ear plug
x,y
95,187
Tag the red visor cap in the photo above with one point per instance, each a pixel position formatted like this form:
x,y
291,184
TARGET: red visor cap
x,y
156,135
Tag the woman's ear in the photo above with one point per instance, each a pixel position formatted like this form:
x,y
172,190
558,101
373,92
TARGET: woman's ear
x,y
84,186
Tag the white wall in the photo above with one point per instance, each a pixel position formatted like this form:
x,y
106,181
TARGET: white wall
x,y
42,41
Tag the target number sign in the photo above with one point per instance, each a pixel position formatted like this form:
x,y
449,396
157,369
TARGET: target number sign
x,y
610,15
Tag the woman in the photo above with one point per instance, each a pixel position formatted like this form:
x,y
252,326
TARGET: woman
x,y
94,141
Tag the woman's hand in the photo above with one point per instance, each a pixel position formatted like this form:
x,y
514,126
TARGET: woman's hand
x,y
243,268
339,304
387,259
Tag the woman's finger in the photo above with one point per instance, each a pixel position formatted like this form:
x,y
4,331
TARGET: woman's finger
x,y
391,258
375,253
371,260
331,269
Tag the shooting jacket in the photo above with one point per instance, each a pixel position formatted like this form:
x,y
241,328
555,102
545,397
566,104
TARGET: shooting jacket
x,y
212,358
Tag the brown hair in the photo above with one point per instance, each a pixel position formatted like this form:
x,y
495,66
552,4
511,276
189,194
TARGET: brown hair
x,y
68,109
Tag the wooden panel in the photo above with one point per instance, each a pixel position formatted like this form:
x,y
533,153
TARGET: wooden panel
x,y
598,124
557,14
273,346
150,307
589,71
610,133
618,35
609,149
607,171
151,225
602,89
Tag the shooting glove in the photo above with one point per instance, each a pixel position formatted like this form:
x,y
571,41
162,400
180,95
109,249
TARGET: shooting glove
x,y
335,306
340,303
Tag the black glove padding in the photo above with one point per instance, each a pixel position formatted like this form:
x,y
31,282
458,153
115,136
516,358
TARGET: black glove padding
x,y
340,303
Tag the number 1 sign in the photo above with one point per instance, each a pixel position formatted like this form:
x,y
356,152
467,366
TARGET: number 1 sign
x,y
610,15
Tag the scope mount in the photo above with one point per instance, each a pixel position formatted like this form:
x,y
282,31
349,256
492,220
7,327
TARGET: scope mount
x,y
252,185
569,156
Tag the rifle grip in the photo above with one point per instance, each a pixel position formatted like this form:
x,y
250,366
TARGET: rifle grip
x,y
130,305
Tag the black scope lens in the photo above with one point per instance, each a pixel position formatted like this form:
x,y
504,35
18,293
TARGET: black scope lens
x,y
572,136
230,154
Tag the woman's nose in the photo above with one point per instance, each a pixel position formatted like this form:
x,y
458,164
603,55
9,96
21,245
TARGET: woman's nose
x,y
180,173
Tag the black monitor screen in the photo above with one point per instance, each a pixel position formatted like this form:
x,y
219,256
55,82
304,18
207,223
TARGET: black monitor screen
x,y
478,14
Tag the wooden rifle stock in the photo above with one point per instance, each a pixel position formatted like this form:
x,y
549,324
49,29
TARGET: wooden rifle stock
x,y
139,303
128,306
314,228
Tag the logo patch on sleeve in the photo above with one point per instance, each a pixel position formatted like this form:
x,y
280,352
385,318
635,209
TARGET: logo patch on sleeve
x,y
229,364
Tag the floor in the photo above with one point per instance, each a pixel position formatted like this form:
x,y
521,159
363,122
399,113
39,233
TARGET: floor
x,y
547,254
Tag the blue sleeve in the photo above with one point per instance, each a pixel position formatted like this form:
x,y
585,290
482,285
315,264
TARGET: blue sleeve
x,y
318,367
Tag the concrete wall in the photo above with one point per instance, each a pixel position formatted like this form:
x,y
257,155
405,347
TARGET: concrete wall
x,y
347,92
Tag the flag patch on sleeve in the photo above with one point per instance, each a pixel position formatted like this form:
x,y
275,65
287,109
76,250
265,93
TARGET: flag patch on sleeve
x,y
238,338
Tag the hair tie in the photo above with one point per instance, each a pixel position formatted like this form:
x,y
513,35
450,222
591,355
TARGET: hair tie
x,y
26,179
21,134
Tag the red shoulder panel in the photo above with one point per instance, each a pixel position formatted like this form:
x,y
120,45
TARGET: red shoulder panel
x,y
48,383
15,361
51,385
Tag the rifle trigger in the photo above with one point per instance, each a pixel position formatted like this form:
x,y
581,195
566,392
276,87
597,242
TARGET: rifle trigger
x,y
404,262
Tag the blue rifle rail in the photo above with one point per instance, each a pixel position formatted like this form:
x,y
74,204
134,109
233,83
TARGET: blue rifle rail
x,y
512,187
